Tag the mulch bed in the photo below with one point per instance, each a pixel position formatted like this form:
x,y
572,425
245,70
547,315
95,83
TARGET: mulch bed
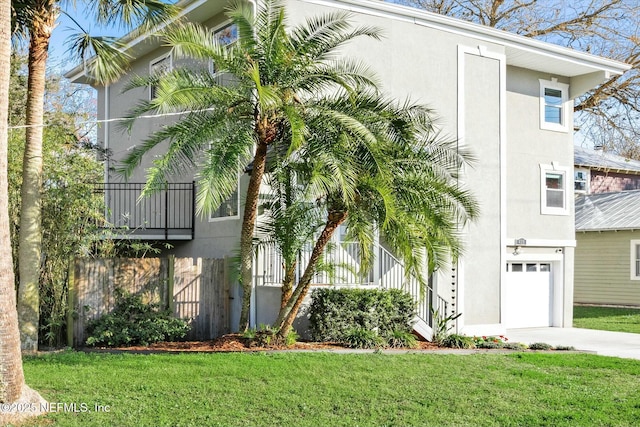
x,y
236,343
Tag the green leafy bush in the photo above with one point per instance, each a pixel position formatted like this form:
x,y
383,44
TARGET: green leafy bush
x,y
363,338
540,346
516,346
402,339
490,341
343,315
133,322
442,325
266,336
564,348
458,341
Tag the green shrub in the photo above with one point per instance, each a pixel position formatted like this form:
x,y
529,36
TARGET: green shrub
x,y
490,341
458,341
336,313
540,346
134,323
564,348
516,346
266,336
362,338
442,325
402,339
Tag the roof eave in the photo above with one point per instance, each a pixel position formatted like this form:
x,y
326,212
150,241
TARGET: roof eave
x,y
589,70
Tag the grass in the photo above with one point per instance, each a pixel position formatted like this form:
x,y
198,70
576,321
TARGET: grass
x,y
607,318
324,389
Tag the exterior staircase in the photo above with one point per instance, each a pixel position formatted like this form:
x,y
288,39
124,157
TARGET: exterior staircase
x,y
387,272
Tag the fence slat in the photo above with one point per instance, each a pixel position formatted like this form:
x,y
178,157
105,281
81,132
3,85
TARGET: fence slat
x,y
197,287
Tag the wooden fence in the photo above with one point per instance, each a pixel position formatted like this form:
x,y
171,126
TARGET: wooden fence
x,y
196,289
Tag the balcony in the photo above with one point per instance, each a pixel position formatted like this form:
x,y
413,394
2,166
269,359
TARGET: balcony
x,y
167,214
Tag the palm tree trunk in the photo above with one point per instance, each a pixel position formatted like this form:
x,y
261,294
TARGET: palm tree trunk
x,y
246,234
287,285
11,375
289,312
30,236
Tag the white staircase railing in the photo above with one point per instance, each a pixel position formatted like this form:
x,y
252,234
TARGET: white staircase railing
x,y
387,272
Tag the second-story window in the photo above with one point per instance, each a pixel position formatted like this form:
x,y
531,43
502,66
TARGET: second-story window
x,y
225,36
158,66
554,114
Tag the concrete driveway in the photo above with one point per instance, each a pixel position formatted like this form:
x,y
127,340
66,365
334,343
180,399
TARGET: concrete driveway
x,y
605,343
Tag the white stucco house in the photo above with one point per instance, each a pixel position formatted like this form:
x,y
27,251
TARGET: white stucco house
x,y
506,97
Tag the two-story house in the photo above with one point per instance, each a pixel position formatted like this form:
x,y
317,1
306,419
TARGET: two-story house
x,y
506,97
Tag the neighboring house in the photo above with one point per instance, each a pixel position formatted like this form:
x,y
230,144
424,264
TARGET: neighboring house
x,y
607,266
506,97
598,171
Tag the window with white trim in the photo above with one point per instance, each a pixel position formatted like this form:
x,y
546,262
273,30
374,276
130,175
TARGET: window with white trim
x,y
554,198
159,66
554,114
229,209
581,181
224,36
635,260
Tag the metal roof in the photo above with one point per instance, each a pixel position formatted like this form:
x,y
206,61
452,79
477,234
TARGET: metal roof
x,y
603,160
608,211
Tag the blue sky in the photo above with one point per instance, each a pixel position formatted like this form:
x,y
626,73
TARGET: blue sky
x,y
59,58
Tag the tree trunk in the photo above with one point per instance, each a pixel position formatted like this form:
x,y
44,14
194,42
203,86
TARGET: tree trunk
x,y
287,285
30,236
288,314
11,377
246,234
12,387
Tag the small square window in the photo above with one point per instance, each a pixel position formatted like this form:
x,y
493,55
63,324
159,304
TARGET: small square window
x,y
516,268
226,35
228,208
532,268
545,267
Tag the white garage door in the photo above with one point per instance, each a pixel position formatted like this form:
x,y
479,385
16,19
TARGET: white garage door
x,y
529,294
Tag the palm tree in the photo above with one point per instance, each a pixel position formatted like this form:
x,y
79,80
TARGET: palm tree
x,y
11,376
274,74
35,20
396,177
12,386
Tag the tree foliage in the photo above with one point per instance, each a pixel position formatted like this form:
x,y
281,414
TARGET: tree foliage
x,y
71,211
275,74
608,115
33,22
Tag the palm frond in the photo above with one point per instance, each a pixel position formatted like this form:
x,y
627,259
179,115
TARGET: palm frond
x,y
104,58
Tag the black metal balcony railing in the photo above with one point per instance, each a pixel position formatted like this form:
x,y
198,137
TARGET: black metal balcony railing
x,y
167,214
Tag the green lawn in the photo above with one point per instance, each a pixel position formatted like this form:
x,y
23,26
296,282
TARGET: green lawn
x,y
607,318
324,389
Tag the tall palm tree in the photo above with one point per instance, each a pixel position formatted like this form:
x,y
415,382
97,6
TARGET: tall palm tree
x,y
11,376
12,386
398,179
35,20
274,72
